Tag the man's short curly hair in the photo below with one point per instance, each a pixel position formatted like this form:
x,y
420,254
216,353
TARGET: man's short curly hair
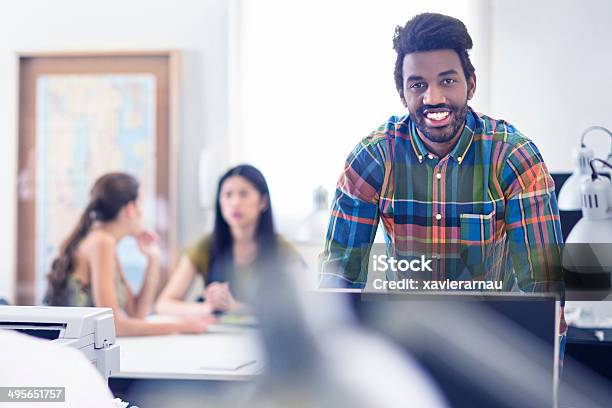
x,y
428,32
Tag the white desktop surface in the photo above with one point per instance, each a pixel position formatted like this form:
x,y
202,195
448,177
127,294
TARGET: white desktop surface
x,y
225,353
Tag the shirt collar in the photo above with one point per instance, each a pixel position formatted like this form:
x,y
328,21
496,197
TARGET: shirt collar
x,y
460,149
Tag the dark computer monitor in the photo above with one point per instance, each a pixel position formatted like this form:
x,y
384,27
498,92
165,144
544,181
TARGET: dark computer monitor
x,y
534,316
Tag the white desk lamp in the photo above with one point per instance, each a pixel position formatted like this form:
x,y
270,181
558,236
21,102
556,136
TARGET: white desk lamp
x,y
314,227
595,226
570,195
587,253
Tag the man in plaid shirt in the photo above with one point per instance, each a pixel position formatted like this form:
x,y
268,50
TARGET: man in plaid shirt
x,y
468,192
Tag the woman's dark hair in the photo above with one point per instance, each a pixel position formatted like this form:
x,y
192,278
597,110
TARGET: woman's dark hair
x,y
429,32
221,264
109,194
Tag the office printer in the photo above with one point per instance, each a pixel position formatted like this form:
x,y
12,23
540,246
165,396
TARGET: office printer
x,y
88,329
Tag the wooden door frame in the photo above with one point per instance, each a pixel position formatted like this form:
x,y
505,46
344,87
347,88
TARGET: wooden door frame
x,y
166,125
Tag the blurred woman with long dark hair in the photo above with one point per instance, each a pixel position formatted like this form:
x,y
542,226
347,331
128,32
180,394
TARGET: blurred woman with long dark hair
x,y
243,240
87,271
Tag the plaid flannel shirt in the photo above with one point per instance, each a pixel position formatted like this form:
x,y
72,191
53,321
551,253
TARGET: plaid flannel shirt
x,y
485,211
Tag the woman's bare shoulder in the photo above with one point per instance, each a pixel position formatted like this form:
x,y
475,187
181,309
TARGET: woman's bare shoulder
x,y
97,241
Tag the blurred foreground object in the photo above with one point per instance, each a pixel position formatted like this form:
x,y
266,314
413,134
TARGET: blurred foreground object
x,y
319,357
32,362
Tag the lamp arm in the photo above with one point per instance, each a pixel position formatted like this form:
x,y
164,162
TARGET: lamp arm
x,y
594,172
591,128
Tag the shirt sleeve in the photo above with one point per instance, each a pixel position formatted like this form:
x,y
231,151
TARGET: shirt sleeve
x,y
354,216
199,255
532,220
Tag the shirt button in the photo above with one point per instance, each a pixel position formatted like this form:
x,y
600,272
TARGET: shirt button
x,y
459,159
438,176
438,216
420,158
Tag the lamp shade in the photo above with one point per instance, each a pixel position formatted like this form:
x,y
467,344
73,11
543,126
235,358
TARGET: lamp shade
x,y
587,254
569,196
595,226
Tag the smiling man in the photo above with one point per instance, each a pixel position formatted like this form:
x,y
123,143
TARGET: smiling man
x,y
469,192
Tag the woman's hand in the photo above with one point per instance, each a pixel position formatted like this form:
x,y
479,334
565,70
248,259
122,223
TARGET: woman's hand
x,y
219,297
148,244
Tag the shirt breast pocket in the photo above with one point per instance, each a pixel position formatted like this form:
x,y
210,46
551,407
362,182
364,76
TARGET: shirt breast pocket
x,y
477,235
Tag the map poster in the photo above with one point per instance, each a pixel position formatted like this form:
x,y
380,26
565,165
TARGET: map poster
x,y
88,125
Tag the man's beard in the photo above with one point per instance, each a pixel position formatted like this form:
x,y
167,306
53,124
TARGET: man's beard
x,y
442,134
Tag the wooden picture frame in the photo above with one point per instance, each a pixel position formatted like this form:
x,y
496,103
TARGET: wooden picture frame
x,y
159,68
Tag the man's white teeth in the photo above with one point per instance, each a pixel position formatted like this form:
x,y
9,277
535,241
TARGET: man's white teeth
x,y
437,115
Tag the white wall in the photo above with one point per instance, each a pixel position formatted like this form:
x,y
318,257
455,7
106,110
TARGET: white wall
x,y
551,70
315,77
198,28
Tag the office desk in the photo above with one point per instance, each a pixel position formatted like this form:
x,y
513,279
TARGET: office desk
x,y
588,363
188,370
592,348
222,354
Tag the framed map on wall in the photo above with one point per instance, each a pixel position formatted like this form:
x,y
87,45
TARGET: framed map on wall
x,y
81,116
